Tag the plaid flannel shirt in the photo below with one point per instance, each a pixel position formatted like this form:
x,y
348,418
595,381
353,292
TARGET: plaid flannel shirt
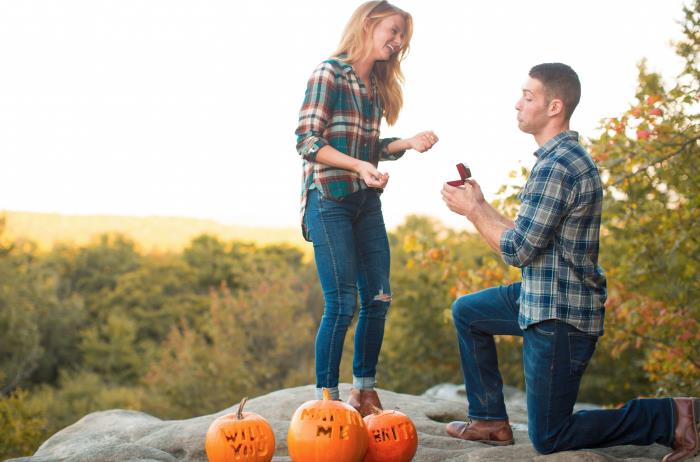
x,y
556,238
337,111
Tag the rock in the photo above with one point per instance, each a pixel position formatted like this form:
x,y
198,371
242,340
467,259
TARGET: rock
x,y
120,435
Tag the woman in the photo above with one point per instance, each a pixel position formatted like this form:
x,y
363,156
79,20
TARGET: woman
x,y
338,139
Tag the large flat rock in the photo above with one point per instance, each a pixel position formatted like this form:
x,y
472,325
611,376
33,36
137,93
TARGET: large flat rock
x,y
119,435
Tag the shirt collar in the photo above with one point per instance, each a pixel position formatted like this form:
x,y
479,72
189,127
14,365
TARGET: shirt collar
x,y
340,59
347,67
568,135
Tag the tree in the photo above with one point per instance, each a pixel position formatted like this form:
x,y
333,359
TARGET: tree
x,y
431,267
155,296
19,297
110,350
650,161
254,340
22,427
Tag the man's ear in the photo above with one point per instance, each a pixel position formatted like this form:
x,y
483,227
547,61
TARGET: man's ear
x,y
556,107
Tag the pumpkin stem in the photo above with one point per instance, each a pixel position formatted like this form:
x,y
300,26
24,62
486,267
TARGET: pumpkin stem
x,y
239,414
375,409
326,394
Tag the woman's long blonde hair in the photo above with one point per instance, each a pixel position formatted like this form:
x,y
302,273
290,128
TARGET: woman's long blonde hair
x,y
356,44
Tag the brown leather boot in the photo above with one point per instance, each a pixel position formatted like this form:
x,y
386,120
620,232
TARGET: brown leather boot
x,y
492,432
685,435
369,401
355,399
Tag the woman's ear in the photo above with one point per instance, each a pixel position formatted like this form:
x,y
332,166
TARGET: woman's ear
x,y
365,24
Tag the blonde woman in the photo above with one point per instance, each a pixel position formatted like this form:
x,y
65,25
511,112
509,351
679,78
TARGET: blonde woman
x,y
338,139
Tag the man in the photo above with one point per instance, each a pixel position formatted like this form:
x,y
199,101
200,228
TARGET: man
x,y
558,307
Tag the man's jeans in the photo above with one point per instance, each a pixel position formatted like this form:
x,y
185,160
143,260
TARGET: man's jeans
x,y
555,355
351,249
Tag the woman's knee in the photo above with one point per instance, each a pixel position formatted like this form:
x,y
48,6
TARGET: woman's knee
x,y
340,305
376,310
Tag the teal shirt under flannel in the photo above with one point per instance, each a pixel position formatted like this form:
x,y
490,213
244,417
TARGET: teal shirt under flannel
x,y
556,238
337,111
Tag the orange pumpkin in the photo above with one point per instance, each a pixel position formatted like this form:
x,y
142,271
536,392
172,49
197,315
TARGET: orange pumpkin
x,y
240,437
326,431
392,437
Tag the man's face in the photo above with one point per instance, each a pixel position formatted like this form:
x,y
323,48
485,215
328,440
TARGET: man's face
x,y
532,107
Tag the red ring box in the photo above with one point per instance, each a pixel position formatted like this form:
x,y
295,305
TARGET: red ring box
x,y
464,173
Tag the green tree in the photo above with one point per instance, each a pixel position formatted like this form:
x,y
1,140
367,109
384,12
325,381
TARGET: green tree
x,y
155,296
110,350
93,270
431,267
22,427
650,160
255,340
19,296
44,325
215,262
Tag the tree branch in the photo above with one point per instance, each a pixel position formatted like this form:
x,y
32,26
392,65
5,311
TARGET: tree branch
x,y
682,149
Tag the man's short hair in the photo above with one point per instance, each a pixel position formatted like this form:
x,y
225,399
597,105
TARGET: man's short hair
x,y
560,82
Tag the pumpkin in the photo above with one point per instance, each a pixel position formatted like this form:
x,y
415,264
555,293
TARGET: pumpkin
x,y
326,431
392,436
240,437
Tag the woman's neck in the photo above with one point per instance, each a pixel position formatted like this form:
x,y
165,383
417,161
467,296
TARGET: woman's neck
x,y
363,69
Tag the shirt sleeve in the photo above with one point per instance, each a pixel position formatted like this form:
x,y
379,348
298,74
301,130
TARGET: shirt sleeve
x,y
384,150
319,100
545,200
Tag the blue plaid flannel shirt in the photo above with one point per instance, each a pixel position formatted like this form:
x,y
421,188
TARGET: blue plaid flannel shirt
x,y
556,238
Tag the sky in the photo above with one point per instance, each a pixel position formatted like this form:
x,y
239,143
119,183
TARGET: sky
x,y
188,108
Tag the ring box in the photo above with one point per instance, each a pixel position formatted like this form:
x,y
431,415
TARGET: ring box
x,y
464,174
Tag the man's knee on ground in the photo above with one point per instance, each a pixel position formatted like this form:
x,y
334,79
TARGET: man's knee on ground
x,y
542,444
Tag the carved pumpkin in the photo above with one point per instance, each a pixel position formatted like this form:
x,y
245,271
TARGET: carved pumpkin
x,y
392,437
240,437
326,431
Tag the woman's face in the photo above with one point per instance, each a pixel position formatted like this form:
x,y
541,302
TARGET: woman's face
x,y
388,36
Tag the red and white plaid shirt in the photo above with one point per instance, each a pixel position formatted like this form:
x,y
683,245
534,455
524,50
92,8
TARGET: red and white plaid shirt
x,y
337,111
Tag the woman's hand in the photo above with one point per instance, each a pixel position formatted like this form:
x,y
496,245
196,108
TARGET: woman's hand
x,y
422,141
371,176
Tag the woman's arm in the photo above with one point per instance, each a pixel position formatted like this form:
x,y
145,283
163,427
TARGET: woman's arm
x,y
316,110
328,155
420,142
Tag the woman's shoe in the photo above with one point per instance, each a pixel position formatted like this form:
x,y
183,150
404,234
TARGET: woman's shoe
x,y
369,402
355,399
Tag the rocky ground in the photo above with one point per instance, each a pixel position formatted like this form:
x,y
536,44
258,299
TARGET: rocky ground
x,y
119,435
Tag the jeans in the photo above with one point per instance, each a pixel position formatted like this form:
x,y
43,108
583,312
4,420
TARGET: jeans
x,y
555,355
351,249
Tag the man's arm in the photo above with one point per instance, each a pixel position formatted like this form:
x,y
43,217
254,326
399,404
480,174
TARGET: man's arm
x,y
491,224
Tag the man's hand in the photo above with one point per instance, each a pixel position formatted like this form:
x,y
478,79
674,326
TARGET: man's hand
x,y
464,200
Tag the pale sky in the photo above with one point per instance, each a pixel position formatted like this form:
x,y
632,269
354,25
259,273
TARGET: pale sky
x,y
188,108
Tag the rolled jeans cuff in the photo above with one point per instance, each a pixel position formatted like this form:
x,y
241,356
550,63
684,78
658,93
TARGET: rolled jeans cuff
x,y
363,383
335,394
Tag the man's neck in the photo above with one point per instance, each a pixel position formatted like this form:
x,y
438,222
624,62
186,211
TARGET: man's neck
x,y
550,131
